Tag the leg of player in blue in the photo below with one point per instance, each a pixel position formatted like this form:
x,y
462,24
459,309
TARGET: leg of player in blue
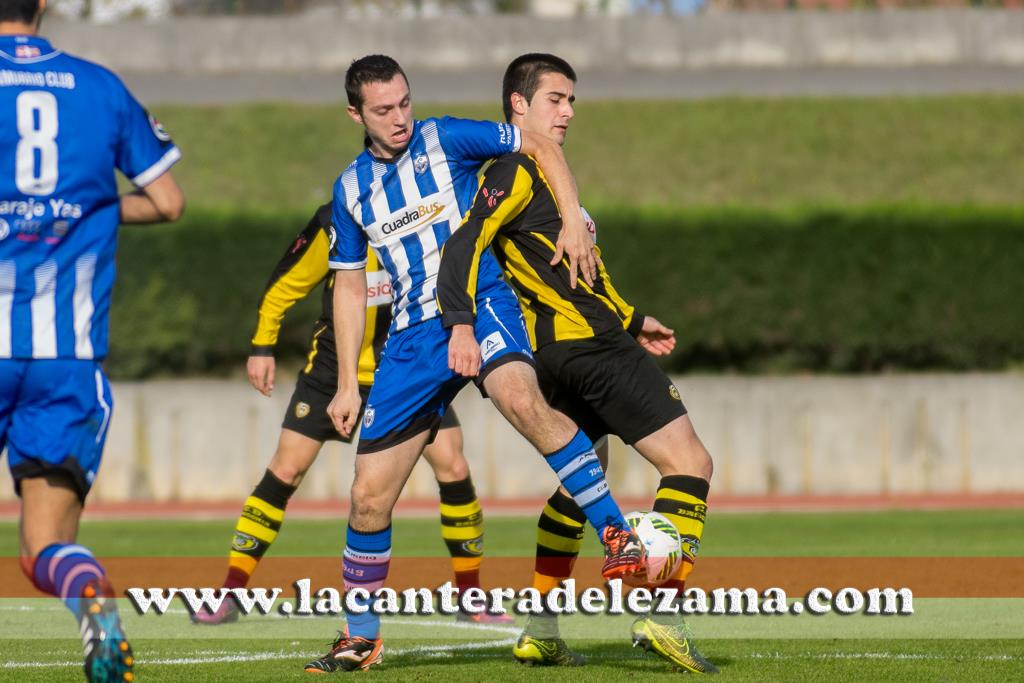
x,y
367,558
54,422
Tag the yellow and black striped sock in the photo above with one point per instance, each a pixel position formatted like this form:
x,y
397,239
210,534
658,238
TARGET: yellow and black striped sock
x,y
560,531
683,500
462,528
257,528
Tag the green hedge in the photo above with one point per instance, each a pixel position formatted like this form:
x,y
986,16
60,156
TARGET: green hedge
x,y
845,291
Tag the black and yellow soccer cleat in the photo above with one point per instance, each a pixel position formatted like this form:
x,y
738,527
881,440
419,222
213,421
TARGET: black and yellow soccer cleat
x,y
533,651
108,656
671,642
348,653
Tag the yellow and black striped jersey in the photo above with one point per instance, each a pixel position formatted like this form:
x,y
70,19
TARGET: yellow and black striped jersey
x,y
302,268
515,210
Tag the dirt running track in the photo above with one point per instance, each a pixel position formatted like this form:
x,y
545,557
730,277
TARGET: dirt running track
x,y
927,577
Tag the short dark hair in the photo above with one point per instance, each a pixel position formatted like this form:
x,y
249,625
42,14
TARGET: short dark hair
x,y
24,11
523,76
369,69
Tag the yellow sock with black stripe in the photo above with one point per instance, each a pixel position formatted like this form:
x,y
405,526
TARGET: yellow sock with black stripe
x,y
257,528
560,530
462,528
683,500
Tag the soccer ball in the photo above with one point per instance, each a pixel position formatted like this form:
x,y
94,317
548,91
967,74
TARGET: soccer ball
x,y
664,551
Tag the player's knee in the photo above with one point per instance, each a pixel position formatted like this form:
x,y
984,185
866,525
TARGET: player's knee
x,y
695,458
455,469
288,473
526,407
369,503
696,454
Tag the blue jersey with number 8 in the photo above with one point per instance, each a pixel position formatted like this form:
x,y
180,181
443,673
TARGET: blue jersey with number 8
x,y
65,126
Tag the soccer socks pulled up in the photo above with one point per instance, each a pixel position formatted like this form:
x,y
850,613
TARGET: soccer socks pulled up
x,y
560,530
257,528
63,570
366,563
462,528
581,474
683,500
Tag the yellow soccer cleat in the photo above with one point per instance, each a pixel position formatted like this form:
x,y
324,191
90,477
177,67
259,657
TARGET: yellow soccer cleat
x,y
533,651
671,642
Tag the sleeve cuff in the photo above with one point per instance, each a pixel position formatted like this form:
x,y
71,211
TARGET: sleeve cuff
x,y
452,318
170,157
341,265
636,324
261,350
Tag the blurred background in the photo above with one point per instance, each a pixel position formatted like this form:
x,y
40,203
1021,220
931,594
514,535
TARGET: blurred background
x,y
823,198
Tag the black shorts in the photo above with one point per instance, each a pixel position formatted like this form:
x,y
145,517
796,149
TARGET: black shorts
x,y
307,411
608,384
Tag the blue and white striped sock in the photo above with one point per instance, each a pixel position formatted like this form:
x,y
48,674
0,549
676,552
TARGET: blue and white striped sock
x,y
367,558
64,570
580,472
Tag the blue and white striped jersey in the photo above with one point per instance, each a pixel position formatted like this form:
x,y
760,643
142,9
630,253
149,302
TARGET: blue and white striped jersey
x,y
406,208
65,125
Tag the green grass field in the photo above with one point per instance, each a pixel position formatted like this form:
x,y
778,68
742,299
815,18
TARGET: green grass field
x,y
945,639
773,153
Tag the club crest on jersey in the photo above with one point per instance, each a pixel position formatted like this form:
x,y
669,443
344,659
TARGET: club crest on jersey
x,y
368,417
26,51
301,409
420,163
674,393
158,129
492,196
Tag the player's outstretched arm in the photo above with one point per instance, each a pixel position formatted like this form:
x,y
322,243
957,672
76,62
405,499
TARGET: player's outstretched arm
x,y
349,325
574,241
160,201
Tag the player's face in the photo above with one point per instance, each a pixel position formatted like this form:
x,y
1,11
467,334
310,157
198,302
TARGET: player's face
x,y
551,110
386,115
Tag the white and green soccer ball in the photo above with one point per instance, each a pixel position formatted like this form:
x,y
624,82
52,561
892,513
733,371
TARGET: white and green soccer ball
x,y
664,550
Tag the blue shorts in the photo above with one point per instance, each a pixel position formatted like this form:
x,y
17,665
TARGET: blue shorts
x,y
54,416
413,385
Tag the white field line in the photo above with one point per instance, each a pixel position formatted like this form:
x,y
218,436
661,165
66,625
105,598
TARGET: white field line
x,y
222,657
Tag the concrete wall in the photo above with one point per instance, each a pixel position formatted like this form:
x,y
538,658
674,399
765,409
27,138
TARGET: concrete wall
x,y
211,440
323,40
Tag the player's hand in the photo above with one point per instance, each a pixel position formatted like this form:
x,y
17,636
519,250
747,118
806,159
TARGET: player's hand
x,y
656,338
576,243
464,351
344,410
261,373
